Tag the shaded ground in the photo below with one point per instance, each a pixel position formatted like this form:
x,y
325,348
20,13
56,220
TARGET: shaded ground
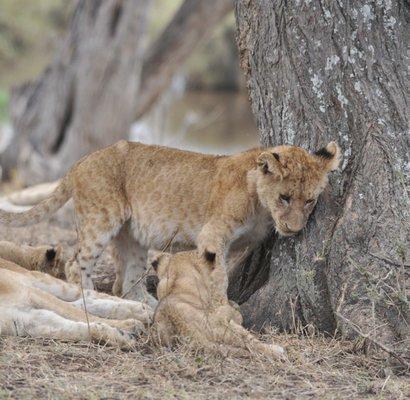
x,y
317,368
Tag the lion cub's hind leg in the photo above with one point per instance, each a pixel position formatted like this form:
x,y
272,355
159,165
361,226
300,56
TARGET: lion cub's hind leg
x,y
130,259
101,208
235,335
94,234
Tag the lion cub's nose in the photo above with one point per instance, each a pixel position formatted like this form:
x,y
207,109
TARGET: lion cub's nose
x,y
292,230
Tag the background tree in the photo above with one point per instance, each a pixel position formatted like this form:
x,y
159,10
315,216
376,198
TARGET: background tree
x,y
191,24
86,98
90,95
320,71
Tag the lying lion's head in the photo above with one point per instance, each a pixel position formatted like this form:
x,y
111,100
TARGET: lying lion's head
x,y
170,268
164,264
289,181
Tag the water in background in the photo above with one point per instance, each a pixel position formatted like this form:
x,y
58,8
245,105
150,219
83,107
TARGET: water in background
x,y
206,121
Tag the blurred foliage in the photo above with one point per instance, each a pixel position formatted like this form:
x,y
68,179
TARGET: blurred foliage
x,y
161,13
29,30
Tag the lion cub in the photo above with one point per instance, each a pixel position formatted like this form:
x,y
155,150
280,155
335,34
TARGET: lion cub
x,y
193,304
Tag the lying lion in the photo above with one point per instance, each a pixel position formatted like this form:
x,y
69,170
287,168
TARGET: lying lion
x,y
193,304
36,304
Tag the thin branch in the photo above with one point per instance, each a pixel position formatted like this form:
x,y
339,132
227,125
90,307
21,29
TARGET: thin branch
x,y
389,261
191,24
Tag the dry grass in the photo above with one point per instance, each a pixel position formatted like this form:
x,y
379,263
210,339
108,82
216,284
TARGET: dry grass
x,y
317,368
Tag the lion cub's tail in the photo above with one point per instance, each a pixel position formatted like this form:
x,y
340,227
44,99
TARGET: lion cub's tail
x,y
42,210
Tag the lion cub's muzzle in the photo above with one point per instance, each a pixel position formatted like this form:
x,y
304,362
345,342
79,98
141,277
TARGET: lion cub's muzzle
x,y
284,230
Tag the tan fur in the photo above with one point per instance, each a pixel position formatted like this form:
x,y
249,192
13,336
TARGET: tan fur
x,y
146,195
193,304
36,304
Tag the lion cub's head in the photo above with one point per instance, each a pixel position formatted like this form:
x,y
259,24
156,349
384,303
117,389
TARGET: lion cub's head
x,y
175,271
290,180
166,264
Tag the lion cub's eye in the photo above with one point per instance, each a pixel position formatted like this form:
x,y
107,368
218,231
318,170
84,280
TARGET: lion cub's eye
x,y
285,199
310,201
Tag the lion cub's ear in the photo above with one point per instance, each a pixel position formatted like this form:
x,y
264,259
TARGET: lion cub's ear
x,y
330,156
269,163
155,258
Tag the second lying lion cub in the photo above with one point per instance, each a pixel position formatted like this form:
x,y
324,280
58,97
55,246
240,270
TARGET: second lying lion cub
x,y
193,304
36,304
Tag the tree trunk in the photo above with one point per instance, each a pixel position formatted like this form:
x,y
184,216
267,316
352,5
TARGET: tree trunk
x,y
86,99
192,23
320,71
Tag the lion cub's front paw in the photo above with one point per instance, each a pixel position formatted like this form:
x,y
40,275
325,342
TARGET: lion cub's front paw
x,y
277,351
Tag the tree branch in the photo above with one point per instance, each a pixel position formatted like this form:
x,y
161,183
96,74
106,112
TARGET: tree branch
x,y
191,24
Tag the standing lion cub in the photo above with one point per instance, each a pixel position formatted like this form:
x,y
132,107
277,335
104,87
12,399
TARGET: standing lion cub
x,y
143,196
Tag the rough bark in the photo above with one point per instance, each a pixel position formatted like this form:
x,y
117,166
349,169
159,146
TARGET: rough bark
x,y
192,23
86,99
322,70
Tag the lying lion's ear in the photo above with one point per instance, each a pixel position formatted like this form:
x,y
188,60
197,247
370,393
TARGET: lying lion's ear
x,y
210,259
330,156
53,254
269,163
154,258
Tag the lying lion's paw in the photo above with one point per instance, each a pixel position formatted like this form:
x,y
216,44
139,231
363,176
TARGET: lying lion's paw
x,y
102,333
131,325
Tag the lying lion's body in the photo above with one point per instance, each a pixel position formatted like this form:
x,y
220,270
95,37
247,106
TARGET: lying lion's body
x,y
143,196
193,305
36,304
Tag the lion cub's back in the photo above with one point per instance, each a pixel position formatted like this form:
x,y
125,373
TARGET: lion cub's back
x,y
168,189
